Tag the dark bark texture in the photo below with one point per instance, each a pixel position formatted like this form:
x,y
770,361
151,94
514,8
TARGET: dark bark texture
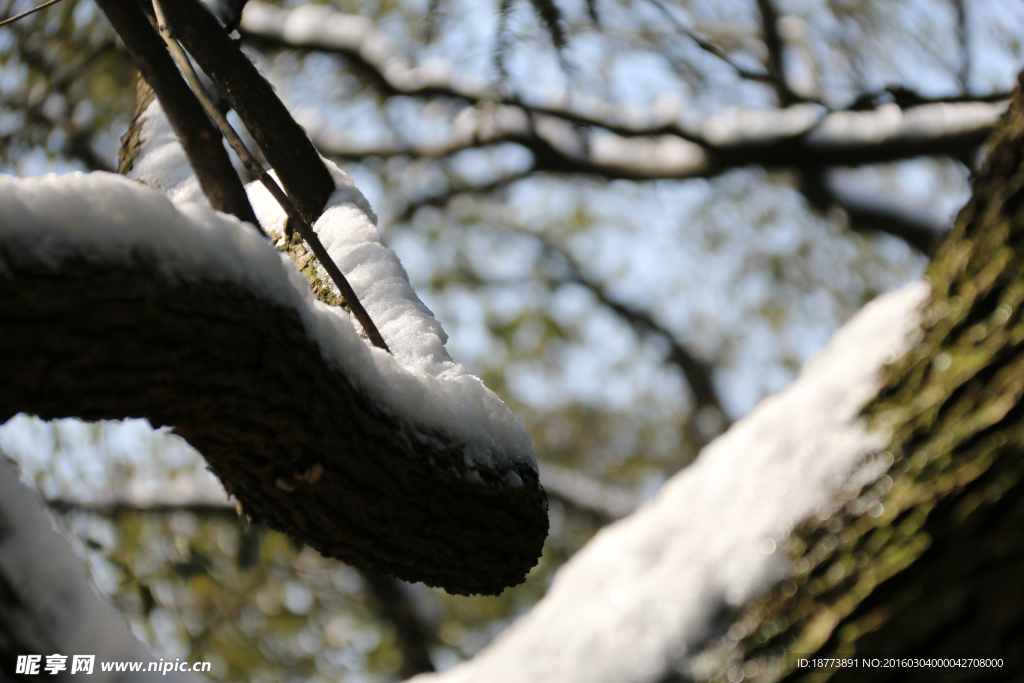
x,y
199,138
281,139
928,561
288,434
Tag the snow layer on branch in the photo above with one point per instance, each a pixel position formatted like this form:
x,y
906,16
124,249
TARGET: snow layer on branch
x,y
108,219
49,601
654,587
348,230
890,122
161,161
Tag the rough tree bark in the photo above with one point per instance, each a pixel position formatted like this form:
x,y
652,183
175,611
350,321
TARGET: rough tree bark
x,y
355,480
293,438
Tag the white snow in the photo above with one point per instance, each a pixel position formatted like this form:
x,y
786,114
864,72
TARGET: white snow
x,y
890,122
650,590
61,608
161,162
661,155
740,125
348,231
108,218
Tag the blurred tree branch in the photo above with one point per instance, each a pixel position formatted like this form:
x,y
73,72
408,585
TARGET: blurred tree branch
x,y
394,606
603,142
696,372
711,47
863,216
776,57
604,503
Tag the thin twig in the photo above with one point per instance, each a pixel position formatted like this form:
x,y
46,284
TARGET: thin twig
x,y
257,170
31,11
963,35
710,47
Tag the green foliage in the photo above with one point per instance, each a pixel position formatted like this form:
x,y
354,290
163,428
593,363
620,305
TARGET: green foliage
x,y
69,88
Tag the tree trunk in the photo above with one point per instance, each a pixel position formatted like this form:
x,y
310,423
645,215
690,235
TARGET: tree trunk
x,y
928,562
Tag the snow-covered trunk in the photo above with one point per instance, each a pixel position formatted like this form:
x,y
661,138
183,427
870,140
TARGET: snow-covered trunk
x,y
48,605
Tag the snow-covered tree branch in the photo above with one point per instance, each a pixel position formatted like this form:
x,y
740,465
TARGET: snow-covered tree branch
x,y
343,433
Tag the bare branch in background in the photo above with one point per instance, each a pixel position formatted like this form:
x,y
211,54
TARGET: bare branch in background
x,y
906,98
201,141
35,9
697,372
61,76
802,136
920,234
776,53
710,47
603,502
865,217
432,20
551,17
502,43
412,632
794,138
441,199
964,36
395,607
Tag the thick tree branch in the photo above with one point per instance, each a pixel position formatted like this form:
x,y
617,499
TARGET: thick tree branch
x,y
646,594
302,445
202,142
914,565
